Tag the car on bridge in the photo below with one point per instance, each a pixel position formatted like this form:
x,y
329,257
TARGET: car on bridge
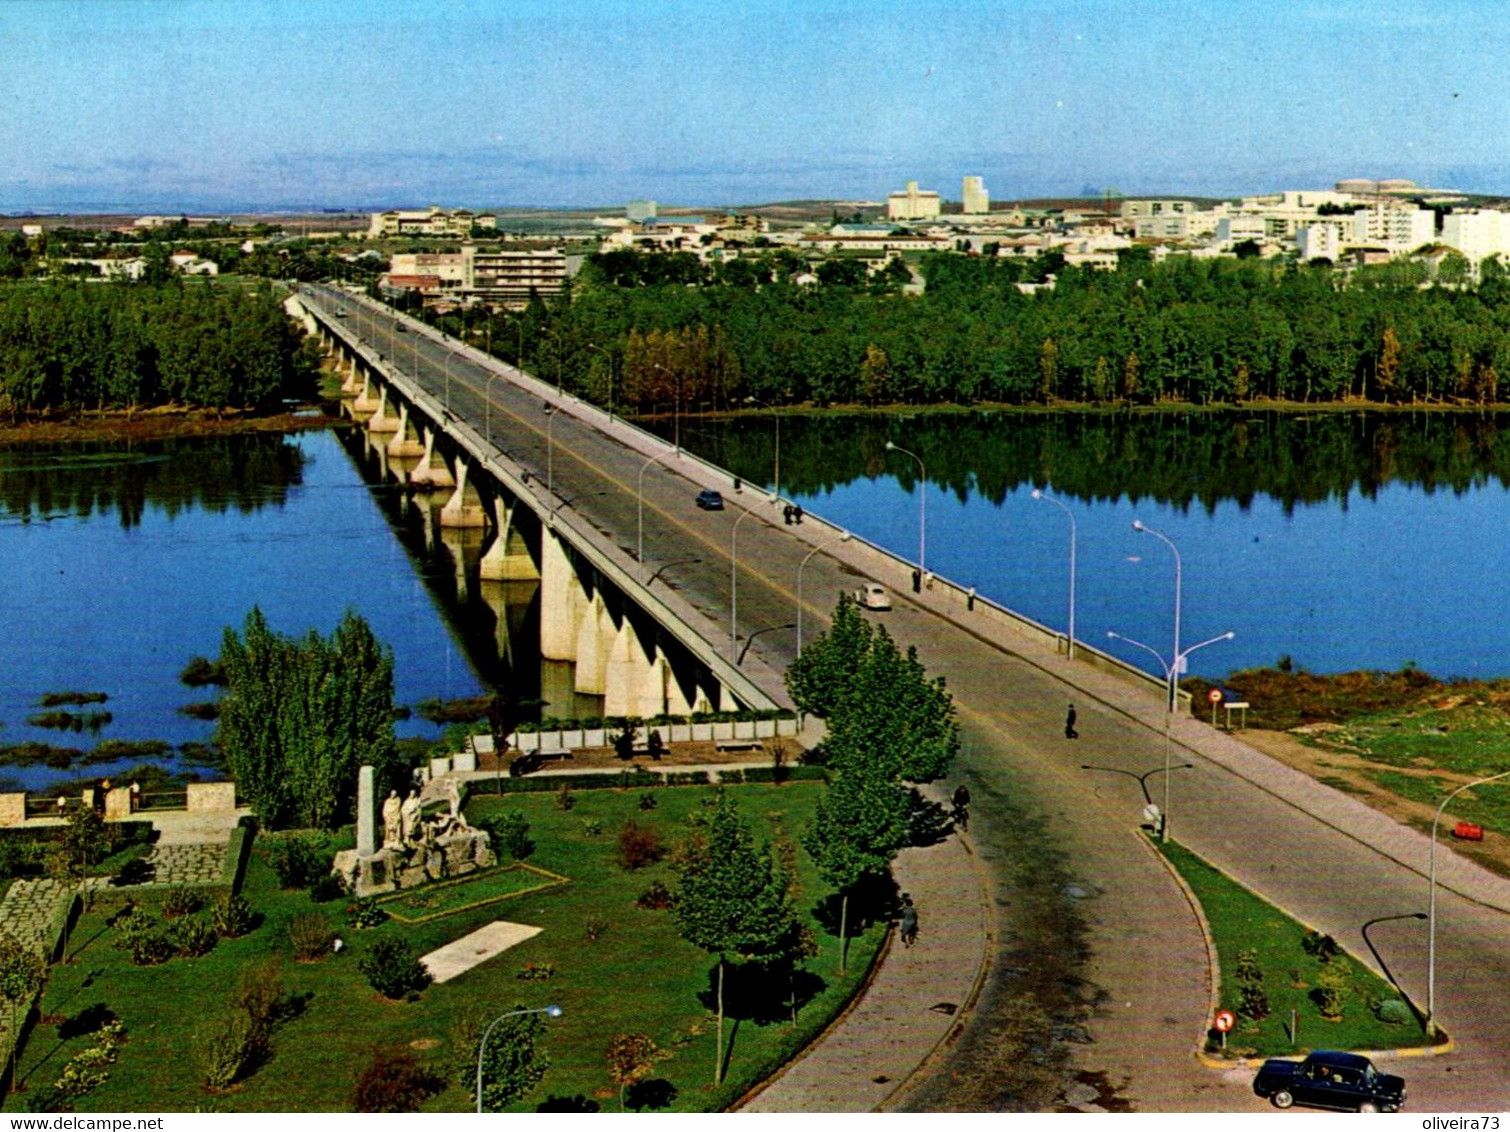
x,y
872,596
710,500
1329,1079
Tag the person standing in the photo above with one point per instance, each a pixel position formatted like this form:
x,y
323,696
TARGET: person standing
x,y
1069,724
961,813
909,918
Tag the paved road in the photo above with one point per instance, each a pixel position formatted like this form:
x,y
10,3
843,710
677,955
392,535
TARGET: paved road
x,y
1137,950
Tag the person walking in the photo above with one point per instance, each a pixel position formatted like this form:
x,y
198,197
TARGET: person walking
x,y
961,813
1069,724
909,926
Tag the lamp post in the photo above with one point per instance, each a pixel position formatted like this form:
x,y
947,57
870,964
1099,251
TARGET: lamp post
x,y
1142,778
734,587
1379,959
609,358
1431,926
639,507
1170,671
776,474
1071,517
922,503
548,1011
1138,525
751,638
843,537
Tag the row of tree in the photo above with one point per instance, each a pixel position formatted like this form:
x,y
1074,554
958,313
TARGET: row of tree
x,y
126,345
1190,330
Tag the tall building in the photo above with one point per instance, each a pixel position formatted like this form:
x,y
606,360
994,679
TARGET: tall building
x,y
977,202
913,204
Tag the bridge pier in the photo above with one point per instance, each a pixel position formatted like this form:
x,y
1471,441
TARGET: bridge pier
x,y
464,508
404,442
594,639
431,474
365,402
381,421
562,600
508,558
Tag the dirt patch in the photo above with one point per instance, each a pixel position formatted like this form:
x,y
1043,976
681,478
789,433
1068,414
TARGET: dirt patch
x,y
153,424
1344,769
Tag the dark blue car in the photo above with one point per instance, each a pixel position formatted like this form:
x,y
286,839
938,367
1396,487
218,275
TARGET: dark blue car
x,y
710,500
1329,1079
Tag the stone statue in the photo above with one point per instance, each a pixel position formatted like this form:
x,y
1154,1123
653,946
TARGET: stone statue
x,y
409,816
393,828
453,798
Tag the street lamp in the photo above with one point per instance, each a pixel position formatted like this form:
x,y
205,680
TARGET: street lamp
x,y
1431,927
548,1011
843,537
777,473
1138,525
1170,671
1142,778
922,503
639,505
750,639
1069,515
734,586
1383,966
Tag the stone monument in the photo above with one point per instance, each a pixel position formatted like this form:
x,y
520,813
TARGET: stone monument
x,y
425,838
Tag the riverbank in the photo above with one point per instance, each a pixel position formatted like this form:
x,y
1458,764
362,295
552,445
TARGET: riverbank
x,y
164,423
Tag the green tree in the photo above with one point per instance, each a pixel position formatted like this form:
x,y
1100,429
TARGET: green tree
x,y
631,1058
513,1062
819,678
85,842
21,972
734,900
857,830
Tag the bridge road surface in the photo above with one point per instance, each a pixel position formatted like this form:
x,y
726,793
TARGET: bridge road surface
x,y
1146,965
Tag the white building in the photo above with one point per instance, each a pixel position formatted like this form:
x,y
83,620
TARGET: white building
x,y
913,203
1319,241
1477,233
505,278
977,202
432,221
1395,227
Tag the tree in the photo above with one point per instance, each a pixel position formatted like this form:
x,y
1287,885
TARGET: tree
x,y
631,1058
1387,368
512,1063
21,972
300,717
85,842
819,678
734,899
858,828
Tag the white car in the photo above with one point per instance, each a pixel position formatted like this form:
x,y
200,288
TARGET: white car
x,y
872,596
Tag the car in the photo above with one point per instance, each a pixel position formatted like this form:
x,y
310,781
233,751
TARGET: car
x,y
400,327
710,500
872,596
1330,1079
340,312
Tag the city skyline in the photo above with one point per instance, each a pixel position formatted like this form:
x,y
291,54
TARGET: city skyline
x,y
201,106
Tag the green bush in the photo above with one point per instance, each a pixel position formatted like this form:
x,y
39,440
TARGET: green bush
x,y
1253,1001
393,969
510,834
180,900
394,1081
311,936
299,859
227,1048
193,938
231,915
1393,1012
1330,992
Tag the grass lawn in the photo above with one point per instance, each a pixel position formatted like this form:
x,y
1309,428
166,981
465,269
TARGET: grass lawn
x,y
637,976
1242,921
449,897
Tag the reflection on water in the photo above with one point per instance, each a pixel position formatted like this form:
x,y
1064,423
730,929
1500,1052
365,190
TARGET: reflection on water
x,y
120,564
1344,540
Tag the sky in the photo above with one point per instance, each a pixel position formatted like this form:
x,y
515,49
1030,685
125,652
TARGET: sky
x,y
122,105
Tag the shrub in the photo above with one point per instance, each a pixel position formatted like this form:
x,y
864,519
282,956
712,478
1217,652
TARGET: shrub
x,y
394,970
595,928
1253,1001
231,915
140,936
638,846
260,995
564,799
180,901
1247,967
1323,947
311,936
193,938
227,1048
1392,1012
394,1081
1330,992
90,1067
299,859
533,972
648,801
655,898
366,913
510,834
329,887
592,827
200,672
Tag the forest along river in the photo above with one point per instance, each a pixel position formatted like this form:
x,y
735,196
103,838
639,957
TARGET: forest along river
x,y
1342,540
122,563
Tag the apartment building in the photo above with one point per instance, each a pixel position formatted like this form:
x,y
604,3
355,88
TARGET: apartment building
x,y
1477,233
432,221
497,277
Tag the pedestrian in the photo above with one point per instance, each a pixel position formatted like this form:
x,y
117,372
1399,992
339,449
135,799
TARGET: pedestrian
x,y
909,922
786,514
961,807
797,513
1069,724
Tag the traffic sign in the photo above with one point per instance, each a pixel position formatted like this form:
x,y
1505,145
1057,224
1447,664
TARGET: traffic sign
x,y
1215,695
1225,1020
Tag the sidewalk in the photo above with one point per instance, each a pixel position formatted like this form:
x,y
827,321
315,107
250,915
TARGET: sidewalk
x,y
916,998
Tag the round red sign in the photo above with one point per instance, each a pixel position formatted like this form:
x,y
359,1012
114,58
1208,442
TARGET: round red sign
x,y
1225,1020
1215,695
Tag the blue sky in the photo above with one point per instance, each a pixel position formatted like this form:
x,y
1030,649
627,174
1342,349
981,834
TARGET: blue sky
x,y
223,105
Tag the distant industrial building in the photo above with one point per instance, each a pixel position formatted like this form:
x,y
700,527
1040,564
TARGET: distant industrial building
x,y
975,199
913,203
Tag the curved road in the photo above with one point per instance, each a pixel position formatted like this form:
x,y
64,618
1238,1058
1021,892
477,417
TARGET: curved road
x,y
1124,999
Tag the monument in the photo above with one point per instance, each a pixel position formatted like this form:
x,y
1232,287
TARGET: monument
x,y
425,838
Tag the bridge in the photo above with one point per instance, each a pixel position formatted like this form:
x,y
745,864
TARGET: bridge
x,y
661,607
